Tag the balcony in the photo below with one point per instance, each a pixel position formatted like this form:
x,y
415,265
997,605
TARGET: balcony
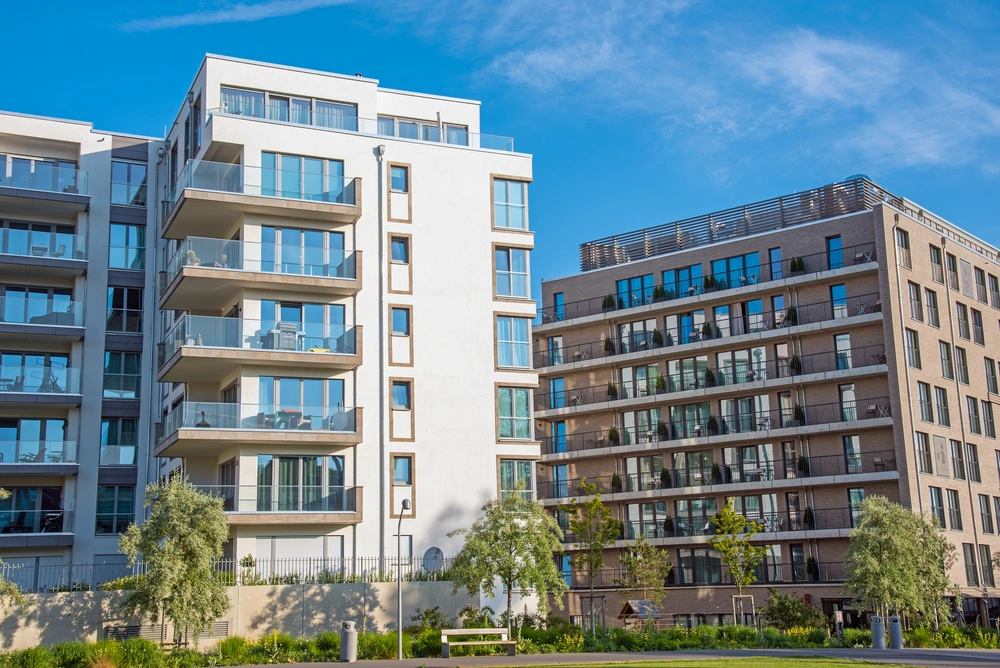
x,y
34,385
692,336
34,251
704,574
821,519
298,504
203,429
209,198
729,478
208,274
202,348
39,319
799,370
26,457
36,528
39,187
818,418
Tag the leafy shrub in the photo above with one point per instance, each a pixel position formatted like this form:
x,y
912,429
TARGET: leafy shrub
x,y
477,618
738,636
819,636
36,657
140,653
375,646
772,638
232,651
107,654
185,658
857,638
430,619
274,648
427,643
786,611
327,647
73,654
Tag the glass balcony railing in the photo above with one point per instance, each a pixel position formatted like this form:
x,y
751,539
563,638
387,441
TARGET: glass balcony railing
x,y
210,415
262,258
27,240
284,498
122,385
19,310
266,182
39,380
54,176
37,452
36,521
243,334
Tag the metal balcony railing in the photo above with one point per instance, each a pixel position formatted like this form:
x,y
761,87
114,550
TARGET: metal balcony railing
x,y
36,521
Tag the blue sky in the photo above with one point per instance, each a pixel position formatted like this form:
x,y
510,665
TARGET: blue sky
x,y
637,112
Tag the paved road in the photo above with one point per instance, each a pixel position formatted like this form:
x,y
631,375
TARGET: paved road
x,y
931,658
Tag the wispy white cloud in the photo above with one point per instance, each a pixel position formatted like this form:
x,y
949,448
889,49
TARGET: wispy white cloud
x,y
231,13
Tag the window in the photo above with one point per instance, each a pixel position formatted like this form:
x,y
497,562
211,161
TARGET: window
x,y
972,406
401,322
402,470
924,395
336,115
400,250
128,247
941,403
115,508
510,204
834,252
981,285
187,139
916,306
300,177
399,179
295,484
196,117
838,296
957,459
513,346
848,404
994,291
39,174
977,327
930,298
682,282
989,426
912,348
774,255
122,375
937,270
124,310
962,312
971,572
559,301
924,458
986,513
119,441
128,183
855,497
952,265
635,291
937,507
512,272
972,450
401,395
954,510
962,365
736,271
515,478
903,247
842,348
515,419
986,564
991,375
555,347
947,368
557,394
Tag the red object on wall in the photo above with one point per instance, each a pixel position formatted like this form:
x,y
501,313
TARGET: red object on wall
x,y
807,599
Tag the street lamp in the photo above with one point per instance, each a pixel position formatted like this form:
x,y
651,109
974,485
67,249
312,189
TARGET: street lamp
x,y
399,581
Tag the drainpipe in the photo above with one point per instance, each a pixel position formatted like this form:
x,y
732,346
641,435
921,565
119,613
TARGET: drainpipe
x,y
153,415
383,370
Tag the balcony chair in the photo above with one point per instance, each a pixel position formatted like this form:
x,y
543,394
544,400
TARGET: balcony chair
x,y
878,463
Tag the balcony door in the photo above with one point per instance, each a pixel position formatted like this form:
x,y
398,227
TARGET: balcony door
x,y
300,484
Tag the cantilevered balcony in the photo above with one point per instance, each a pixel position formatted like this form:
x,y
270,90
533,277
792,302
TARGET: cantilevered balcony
x,y
289,504
35,385
33,458
202,429
207,274
41,187
33,319
41,250
35,528
210,197
202,348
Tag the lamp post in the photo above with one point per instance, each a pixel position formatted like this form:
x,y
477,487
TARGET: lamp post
x,y
399,581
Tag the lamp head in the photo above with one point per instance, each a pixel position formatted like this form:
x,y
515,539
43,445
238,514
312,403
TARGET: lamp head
x,y
406,504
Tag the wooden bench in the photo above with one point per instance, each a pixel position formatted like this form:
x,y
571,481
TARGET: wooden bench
x,y
446,645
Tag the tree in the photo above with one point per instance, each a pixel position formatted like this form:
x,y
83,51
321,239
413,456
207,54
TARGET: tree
x,y
733,540
179,544
786,611
897,561
645,568
514,542
10,593
595,528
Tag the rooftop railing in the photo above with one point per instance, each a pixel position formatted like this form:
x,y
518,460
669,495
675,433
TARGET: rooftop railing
x,y
26,451
52,176
383,127
836,199
23,242
708,377
245,334
710,426
695,332
212,415
284,498
40,311
734,278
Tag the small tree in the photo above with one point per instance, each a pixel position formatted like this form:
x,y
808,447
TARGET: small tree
x,y
786,611
595,528
10,594
514,542
179,544
937,555
733,540
644,568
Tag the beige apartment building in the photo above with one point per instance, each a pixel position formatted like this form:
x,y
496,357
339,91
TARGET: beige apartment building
x,y
795,355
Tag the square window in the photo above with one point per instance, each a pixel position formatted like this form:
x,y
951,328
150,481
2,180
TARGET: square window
x,y
401,395
401,321
399,179
402,470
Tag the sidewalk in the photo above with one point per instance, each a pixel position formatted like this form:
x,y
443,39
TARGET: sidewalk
x,y
931,658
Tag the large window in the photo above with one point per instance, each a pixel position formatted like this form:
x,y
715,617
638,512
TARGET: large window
x,y
912,349
35,440
513,346
916,305
834,252
972,406
924,458
937,507
635,291
736,271
971,571
682,282
289,250
947,367
515,418
954,510
510,204
122,375
128,247
924,397
128,183
309,483
290,109
962,312
515,478
941,403
301,395
838,298
298,177
40,174
512,272
124,310
119,441
115,508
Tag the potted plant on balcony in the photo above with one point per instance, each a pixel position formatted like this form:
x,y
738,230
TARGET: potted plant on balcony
x,y
716,473
609,346
791,315
608,303
613,435
803,466
612,391
795,365
616,483
808,519
659,293
799,415
709,283
796,265
191,258
709,378
711,425
670,339
661,430
656,338
668,525
665,478
661,384
706,331
812,569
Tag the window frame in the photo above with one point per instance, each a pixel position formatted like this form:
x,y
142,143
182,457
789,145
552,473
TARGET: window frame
x,y
141,187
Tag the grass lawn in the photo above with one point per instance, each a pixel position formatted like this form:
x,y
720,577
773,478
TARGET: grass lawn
x,y
750,662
